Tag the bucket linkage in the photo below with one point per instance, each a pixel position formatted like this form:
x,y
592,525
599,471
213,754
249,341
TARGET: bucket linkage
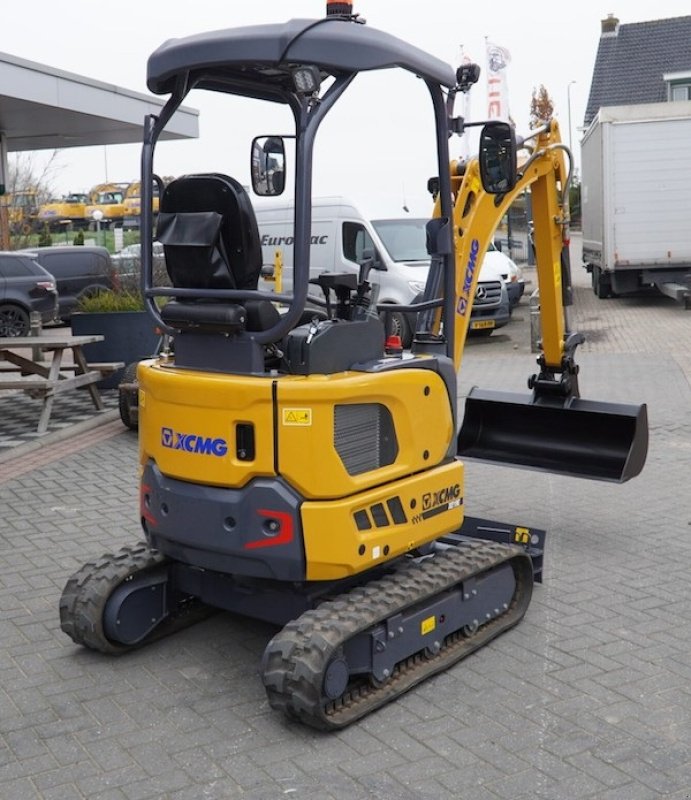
x,y
554,429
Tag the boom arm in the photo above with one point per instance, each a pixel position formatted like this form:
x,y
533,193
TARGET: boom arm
x,y
552,429
476,215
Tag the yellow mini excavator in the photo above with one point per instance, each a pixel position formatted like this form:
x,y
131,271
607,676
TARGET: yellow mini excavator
x,y
286,471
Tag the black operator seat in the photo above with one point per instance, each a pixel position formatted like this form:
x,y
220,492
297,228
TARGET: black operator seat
x,y
210,238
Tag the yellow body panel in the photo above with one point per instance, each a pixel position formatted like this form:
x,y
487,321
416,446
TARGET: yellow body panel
x,y
431,502
209,406
187,425
307,458
206,408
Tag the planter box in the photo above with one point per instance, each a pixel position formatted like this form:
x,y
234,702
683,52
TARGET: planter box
x,y
129,336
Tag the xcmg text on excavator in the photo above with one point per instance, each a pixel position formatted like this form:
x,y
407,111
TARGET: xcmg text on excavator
x,y
296,467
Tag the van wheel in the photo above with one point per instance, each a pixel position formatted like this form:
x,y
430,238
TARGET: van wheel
x,y
14,321
397,325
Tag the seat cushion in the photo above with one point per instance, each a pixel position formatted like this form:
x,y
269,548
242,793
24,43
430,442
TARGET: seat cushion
x,y
221,317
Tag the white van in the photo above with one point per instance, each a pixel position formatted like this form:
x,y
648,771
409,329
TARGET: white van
x,y
340,237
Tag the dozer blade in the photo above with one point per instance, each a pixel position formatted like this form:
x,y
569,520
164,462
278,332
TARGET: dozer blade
x,y
581,438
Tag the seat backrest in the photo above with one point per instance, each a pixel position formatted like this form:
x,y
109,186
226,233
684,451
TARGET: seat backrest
x,y
209,233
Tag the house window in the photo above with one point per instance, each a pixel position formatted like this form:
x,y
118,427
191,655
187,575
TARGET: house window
x,y
678,85
680,91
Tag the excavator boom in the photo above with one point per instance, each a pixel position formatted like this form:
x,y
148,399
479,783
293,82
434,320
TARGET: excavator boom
x,y
552,429
476,214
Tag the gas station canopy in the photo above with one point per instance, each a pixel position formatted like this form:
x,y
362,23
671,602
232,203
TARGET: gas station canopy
x,y
46,108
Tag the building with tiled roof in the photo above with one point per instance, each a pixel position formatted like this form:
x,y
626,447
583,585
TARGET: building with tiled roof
x,y
641,62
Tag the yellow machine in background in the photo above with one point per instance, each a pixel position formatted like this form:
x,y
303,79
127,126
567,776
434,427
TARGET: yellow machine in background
x,y
108,199
296,467
22,210
70,211
133,202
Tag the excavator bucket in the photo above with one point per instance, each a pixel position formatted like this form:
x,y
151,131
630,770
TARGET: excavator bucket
x,y
581,438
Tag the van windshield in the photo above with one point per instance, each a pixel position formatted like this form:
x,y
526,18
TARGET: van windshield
x,y
404,239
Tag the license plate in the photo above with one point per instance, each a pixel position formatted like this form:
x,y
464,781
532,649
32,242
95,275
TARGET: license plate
x,y
481,324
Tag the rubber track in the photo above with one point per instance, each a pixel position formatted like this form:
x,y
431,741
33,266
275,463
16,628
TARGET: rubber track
x,y
296,658
86,593
127,398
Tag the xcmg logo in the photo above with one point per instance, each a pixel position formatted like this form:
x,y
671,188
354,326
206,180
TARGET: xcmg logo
x,y
441,497
192,443
468,279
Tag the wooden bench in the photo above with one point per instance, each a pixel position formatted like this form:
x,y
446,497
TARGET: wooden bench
x,y
105,368
47,379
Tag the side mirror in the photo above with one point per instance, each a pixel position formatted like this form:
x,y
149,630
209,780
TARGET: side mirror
x,y
372,257
366,265
498,157
268,166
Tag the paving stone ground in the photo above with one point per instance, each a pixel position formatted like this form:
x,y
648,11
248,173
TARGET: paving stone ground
x,y
20,415
589,697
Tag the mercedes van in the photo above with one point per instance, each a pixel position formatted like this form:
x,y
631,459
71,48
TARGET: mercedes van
x,y
340,238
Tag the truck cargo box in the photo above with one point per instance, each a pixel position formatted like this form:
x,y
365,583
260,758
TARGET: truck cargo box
x,y
636,195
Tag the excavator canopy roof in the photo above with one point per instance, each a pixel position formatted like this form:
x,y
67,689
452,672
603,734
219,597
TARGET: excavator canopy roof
x,y
255,61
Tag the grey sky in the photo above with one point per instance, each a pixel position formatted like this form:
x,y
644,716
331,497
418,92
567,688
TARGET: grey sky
x,y
382,120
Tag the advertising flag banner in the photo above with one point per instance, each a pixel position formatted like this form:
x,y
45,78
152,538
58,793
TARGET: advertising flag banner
x,y
498,59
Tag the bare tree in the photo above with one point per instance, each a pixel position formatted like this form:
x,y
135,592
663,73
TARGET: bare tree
x,y
29,184
26,174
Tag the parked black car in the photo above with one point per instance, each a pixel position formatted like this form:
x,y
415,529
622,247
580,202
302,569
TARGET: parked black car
x,y
78,271
24,287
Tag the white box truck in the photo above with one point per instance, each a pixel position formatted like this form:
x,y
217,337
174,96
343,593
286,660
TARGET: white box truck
x,y
636,199
341,236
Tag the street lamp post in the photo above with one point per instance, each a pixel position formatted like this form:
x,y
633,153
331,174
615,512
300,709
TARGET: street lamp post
x,y
97,215
568,103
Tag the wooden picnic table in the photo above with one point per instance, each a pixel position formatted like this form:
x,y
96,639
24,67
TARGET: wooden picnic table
x,y
47,378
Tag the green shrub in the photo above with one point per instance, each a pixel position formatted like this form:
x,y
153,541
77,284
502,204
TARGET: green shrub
x,y
107,301
44,238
